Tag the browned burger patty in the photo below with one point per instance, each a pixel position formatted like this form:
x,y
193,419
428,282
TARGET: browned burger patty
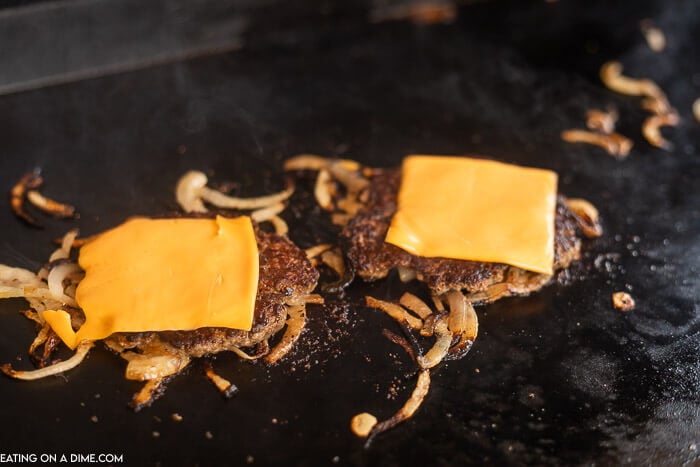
x,y
372,258
286,274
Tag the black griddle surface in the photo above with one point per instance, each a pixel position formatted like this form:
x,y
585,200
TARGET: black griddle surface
x,y
558,378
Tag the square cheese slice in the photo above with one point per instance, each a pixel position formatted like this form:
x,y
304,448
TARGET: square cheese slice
x,y
165,274
476,209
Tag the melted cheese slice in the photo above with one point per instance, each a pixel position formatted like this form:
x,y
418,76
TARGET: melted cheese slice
x,y
476,209
165,274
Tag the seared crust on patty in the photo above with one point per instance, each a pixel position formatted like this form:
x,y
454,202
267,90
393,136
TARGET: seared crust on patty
x,y
286,274
372,258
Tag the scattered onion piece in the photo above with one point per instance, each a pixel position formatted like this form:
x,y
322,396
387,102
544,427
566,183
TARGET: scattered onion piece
x,y
148,393
651,129
406,274
416,305
224,386
588,216
314,163
623,301
615,144
439,350
462,322
362,424
50,206
602,121
267,213
29,181
423,12
188,191
395,311
399,340
58,275
654,36
612,77
295,325
155,364
316,250
334,260
57,368
221,200
408,409
324,189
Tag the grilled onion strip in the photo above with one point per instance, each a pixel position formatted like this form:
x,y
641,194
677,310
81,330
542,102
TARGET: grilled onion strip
x,y
602,121
50,206
406,411
612,77
615,144
27,182
225,387
57,368
395,311
192,192
296,322
651,129
588,216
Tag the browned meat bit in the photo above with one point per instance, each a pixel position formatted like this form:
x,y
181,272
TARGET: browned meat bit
x,y
623,301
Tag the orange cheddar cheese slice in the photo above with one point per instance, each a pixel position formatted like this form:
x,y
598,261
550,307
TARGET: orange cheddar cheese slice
x,y
476,209
165,274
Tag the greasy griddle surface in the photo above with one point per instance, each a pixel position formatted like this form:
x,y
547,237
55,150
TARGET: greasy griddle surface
x,y
556,378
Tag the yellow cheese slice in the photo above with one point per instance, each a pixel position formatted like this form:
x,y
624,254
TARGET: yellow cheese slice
x,y
476,209
165,274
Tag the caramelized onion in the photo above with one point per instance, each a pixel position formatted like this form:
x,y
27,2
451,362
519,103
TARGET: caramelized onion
x,y
148,393
601,120
623,301
395,311
221,200
588,216
416,305
315,163
224,386
441,346
651,129
463,323
57,368
362,424
295,325
188,191
615,144
58,275
612,77
50,206
654,36
409,408
155,364
29,181
324,189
